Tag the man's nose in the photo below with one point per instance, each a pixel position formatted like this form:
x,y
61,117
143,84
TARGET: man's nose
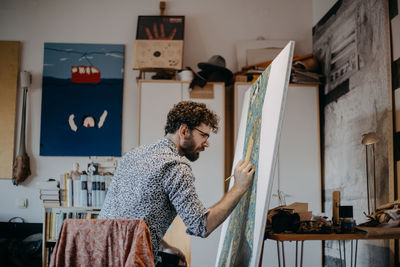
x,y
207,143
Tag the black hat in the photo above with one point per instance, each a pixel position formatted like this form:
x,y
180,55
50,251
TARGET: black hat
x,y
216,64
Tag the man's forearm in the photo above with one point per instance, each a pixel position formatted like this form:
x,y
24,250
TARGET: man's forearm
x,y
220,211
243,176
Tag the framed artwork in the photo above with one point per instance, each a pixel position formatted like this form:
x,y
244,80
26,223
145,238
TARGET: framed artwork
x,y
159,42
82,99
352,42
160,28
242,233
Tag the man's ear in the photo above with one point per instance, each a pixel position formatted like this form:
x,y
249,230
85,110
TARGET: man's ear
x,y
184,131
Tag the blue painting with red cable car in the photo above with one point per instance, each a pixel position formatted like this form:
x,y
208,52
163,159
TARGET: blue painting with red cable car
x,y
82,99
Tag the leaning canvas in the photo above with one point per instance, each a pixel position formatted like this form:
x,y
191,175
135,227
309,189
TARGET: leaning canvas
x,y
242,233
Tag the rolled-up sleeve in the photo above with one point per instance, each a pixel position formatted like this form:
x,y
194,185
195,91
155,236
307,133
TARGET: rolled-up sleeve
x,y
179,186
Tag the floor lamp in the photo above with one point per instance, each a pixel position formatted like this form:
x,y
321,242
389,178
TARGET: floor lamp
x,y
369,140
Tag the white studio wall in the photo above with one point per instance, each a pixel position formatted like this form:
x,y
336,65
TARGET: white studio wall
x,y
320,8
211,27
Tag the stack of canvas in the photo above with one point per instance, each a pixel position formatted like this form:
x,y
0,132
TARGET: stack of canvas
x,y
304,77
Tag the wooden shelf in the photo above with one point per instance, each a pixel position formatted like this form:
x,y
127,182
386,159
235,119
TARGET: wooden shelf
x,y
48,244
300,237
74,208
366,233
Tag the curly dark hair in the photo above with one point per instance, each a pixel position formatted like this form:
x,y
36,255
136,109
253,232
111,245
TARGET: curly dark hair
x,y
192,114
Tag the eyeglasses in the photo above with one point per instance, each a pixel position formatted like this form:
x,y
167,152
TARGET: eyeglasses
x,y
205,135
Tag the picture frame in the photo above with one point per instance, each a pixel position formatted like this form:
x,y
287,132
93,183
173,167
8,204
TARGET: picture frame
x,y
160,28
159,43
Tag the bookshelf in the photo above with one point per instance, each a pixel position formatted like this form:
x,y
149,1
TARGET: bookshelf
x,y
52,220
76,195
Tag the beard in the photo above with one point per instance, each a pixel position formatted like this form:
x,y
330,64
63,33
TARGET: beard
x,y
189,149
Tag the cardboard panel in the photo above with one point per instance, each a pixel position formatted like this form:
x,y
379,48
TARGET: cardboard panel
x,y
9,64
157,54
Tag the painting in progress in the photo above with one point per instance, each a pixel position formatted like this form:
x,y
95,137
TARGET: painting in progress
x,y
82,100
258,138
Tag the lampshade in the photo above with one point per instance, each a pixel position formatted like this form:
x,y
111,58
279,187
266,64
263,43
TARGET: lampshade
x,y
369,138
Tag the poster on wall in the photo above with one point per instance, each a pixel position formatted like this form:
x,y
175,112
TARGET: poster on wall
x,y
352,41
242,233
82,99
159,42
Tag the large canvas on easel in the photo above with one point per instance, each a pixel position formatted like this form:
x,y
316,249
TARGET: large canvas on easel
x,y
242,233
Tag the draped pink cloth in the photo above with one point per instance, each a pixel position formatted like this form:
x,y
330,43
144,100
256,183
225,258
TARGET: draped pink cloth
x,y
103,242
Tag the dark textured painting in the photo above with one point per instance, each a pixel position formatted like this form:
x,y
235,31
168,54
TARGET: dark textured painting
x,y
82,100
352,42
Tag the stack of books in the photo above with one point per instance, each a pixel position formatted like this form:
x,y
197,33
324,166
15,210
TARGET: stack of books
x,y
84,190
50,193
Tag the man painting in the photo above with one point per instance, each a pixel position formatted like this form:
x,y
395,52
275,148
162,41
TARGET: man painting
x,y
155,182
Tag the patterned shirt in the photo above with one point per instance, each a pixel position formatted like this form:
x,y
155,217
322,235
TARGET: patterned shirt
x,y
155,183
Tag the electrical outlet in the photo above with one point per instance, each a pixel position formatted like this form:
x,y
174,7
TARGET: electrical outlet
x,y
22,203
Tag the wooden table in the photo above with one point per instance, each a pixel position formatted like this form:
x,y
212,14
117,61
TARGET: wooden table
x,y
364,233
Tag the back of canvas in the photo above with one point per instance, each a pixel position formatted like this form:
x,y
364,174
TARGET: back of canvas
x,y
258,138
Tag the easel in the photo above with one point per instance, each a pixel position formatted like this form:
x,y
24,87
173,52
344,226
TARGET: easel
x,y
159,71
261,254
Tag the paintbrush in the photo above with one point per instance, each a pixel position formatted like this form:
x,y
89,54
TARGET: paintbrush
x,y
229,178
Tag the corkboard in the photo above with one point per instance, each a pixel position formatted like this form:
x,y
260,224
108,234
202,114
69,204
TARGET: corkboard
x,y
9,63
